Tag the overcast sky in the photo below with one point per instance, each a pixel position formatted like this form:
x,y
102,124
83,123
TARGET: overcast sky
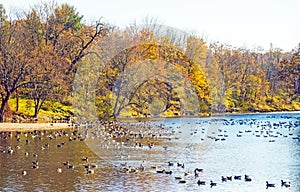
x,y
249,23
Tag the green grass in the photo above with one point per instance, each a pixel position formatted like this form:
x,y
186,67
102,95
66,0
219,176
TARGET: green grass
x,y
52,109
57,110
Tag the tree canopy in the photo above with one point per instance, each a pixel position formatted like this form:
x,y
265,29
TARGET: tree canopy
x,y
145,73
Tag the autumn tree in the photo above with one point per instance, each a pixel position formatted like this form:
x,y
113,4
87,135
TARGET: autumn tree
x,y
47,74
70,37
151,62
65,36
138,70
215,73
289,73
15,66
40,50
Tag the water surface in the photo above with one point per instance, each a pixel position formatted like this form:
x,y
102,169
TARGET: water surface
x,y
264,146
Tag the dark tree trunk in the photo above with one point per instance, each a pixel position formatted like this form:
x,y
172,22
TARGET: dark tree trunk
x,y
2,108
1,116
38,103
17,101
36,111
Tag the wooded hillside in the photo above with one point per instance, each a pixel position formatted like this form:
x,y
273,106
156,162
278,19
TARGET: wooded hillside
x,y
41,50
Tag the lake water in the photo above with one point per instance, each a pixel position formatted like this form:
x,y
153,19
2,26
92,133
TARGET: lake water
x,y
264,146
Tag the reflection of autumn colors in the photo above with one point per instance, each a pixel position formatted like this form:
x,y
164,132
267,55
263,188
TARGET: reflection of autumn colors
x,y
156,155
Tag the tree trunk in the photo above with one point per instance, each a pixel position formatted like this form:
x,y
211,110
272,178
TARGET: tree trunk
x,y
38,103
2,108
1,116
17,101
36,107
36,111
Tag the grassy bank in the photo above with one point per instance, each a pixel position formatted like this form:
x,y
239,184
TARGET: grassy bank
x,y
53,110
50,110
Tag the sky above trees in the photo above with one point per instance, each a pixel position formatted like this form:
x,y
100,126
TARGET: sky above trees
x,y
239,23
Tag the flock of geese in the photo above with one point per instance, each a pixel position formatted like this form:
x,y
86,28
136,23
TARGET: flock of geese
x,y
196,174
254,127
29,137
257,128
119,133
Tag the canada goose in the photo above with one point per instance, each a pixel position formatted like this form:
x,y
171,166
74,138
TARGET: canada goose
x,y
170,163
212,183
35,167
182,181
91,171
160,171
198,169
180,165
200,182
247,178
66,163
35,162
224,179
237,177
229,178
70,166
168,172
285,183
196,172
178,177
86,159
10,151
269,184
87,166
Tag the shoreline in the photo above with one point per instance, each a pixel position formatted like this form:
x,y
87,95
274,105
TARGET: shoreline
x,y
32,126
6,126
253,113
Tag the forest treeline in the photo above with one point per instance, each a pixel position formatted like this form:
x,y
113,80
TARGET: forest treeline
x,y
42,49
